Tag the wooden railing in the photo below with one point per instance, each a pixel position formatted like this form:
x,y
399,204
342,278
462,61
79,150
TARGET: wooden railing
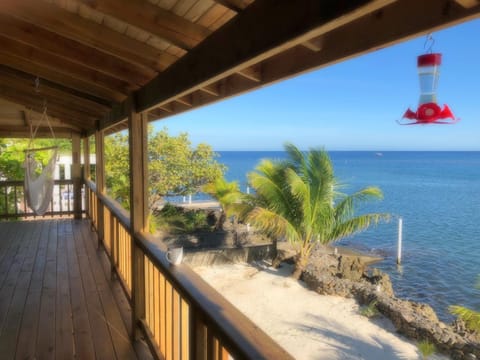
x,y
13,203
181,316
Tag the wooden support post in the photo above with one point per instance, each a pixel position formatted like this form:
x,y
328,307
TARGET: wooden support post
x,y
137,126
76,177
100,182
86,171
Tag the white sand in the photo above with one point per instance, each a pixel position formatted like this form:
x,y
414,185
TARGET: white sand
x,y
306,324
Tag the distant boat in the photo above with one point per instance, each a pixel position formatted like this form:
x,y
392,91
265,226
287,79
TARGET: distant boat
x,y
379,154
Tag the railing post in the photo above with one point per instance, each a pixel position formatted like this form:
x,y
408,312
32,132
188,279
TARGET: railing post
x,y
100,182
137,126
113,245
76,177
86,171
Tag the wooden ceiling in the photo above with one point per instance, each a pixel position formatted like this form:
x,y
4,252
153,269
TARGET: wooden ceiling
x,y
89,61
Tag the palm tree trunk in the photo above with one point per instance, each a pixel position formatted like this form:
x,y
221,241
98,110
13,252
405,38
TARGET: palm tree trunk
x,y
300,266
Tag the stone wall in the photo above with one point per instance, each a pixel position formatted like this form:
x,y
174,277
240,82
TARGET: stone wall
x,y
245,254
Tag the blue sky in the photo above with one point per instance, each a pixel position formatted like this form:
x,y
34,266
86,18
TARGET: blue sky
x,y
352,105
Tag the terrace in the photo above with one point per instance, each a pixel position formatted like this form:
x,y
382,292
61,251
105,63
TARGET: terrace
x,y
93,283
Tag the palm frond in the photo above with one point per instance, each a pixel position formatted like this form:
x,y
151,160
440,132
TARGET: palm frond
x,y
270,186
345,208
272,224
471,317
355,225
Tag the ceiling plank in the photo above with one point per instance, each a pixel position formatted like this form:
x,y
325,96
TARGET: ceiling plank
x,y
27,83
48,41
59,76
264,29
90,33
468,3
37,104
153,19
50,97
12,47
234,5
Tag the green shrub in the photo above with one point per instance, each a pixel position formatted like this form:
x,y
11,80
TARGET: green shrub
x,y
175,219
426,348
370,311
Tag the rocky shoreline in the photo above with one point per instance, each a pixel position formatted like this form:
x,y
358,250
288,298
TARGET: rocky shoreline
x,y
348,276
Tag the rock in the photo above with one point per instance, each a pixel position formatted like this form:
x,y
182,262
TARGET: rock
x,y
336,275
350,268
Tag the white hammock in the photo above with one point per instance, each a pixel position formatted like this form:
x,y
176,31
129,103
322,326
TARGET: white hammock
x,y
39,186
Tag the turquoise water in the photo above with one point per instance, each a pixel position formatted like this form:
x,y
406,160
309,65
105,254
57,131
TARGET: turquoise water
x,y
438,196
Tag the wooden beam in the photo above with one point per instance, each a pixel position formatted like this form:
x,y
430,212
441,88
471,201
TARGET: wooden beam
x,y
57,75
153,19
100,182
468,3
235,5
26,118
68,116
48,41
185,100
44,133
75,27
368,34
86,170
138,146
211,89
67,90
264,29
253,73
43,58
314,44
25,82
20,90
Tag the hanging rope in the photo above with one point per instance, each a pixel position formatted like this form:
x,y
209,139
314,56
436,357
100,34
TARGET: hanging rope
x,y
39,186
428,44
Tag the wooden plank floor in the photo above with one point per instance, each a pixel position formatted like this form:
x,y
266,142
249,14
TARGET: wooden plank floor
x,y
57,299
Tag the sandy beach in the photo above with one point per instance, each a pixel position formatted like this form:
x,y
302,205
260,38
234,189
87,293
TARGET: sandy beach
x,y
306,324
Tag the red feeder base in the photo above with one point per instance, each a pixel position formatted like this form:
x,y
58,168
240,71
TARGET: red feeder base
x,y
429,113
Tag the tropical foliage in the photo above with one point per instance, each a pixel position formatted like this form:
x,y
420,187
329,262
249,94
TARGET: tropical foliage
x,y
228,195
426,349
298,199
469,316
175,166
12,158
12,155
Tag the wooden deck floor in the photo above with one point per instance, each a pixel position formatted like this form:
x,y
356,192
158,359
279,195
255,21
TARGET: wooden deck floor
x,y
57,300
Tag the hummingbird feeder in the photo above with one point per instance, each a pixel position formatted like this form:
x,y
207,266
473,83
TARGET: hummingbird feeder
x,y
428,111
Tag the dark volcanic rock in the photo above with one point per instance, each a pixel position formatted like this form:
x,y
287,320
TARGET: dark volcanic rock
x,y
328,274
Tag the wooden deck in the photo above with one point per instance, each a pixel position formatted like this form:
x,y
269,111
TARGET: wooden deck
x,y
57,299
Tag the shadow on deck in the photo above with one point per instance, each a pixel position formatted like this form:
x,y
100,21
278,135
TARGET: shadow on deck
x,y
57,298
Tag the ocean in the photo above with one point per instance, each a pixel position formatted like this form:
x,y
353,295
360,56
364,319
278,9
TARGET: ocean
x,y
437,194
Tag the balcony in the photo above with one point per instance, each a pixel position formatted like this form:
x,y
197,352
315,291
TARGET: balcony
x,y
57,298
65,292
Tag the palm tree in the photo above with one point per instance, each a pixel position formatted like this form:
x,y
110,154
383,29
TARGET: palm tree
x,y
298,200
227,194
469,316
